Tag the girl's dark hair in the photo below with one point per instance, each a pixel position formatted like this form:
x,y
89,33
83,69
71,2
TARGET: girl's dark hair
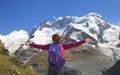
x,y
56,38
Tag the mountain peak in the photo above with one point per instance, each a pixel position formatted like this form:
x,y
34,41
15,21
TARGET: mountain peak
x,y
94,15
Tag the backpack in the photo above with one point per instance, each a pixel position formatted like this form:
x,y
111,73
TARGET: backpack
x,y
56,55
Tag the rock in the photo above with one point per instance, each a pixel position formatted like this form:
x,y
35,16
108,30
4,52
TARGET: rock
x,y
113,70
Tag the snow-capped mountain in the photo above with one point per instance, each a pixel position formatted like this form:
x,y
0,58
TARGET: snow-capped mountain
x,y
91,25
72,28
13,40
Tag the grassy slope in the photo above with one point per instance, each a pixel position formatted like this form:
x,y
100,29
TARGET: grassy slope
x,y
11,65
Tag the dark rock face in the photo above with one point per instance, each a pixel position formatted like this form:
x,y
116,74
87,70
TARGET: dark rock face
x,y
68,71
119,36
80,35
118,45
26,54
114,70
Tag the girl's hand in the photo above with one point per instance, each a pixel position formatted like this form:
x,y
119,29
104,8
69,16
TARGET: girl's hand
x,y
88,40
27,43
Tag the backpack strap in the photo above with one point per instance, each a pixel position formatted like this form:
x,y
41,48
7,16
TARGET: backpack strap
x,y
62,51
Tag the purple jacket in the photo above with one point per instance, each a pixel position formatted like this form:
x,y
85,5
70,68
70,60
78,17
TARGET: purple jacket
x,y
65,45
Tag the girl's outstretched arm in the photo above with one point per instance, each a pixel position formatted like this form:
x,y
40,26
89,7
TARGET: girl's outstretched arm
x,y
39,46
75,44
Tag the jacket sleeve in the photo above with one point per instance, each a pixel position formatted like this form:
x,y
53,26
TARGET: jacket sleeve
x,y
39,46
72,44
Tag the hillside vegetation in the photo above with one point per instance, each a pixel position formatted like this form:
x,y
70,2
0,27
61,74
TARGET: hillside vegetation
x,y
11,65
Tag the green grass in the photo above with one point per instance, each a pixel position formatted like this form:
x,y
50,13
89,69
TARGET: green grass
x,y
10,65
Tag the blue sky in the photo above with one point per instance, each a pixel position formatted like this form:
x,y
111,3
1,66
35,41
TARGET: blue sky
x,y
24,14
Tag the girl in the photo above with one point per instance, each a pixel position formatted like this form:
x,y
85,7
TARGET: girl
x,y
56,38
